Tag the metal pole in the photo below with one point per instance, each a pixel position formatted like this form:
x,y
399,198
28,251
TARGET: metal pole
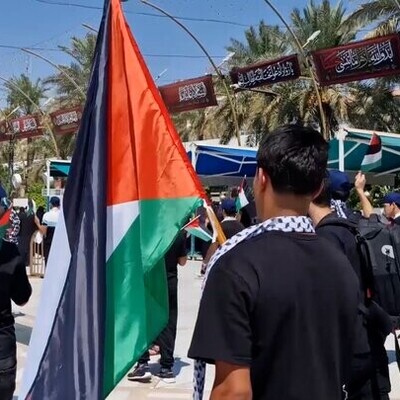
x,y
341,136
16,87
324,130
218,72
58,68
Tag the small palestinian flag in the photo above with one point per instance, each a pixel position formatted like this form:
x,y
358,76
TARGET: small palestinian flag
x,y
4,224
373,157
194,228
243,196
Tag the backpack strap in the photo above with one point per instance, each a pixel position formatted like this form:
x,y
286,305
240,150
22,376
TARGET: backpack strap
x,y
367,280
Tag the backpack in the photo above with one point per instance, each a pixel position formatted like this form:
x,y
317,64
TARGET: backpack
x,y
383,243
378,246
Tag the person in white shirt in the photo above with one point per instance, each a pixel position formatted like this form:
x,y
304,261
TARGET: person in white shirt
x,y
49,223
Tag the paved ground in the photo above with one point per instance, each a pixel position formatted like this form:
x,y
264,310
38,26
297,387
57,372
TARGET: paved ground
x,y
189,290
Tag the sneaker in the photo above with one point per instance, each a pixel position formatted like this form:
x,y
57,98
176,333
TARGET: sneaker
x,y
141,373
166,375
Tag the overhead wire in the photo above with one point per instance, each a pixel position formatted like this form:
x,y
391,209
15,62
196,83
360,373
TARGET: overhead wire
x,y
146,14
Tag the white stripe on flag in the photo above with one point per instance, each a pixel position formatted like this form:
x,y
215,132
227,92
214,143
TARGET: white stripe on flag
x,y
243,199
371,158
52,289
120,218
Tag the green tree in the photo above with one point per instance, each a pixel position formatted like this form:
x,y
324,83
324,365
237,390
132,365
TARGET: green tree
x,y
24,97
81,50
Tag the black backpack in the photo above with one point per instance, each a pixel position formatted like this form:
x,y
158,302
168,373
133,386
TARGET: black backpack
x,y
383,243
378,246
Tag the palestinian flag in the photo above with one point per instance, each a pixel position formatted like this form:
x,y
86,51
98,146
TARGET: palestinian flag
x,y
194,228
243,196
4,224
129,191
373,157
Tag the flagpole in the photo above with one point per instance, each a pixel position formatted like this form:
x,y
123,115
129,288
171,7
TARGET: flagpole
x,y
47,125
324,129
218,72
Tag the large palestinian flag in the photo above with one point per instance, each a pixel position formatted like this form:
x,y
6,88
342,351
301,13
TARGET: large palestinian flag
x,y
130,189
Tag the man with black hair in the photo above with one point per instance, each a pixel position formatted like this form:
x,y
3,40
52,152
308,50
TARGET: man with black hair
x,y
366,379
278,311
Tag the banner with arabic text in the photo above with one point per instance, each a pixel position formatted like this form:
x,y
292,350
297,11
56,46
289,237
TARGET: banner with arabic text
x,y
66,121
189,94
366,59
20,128
266,72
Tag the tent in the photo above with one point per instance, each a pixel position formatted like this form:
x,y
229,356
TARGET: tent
x,y
226,165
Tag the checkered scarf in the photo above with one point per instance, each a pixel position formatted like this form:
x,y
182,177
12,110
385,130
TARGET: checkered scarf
x,y
283,224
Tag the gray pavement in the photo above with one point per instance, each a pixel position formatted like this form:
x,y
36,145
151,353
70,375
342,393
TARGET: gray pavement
x,y
189,292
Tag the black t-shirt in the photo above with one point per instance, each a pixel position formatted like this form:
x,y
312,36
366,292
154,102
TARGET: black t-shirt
x,y
285,305
14,285
231,227
176,251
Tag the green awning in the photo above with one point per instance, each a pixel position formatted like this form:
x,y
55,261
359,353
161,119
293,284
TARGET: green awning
x,y
355,147
59,168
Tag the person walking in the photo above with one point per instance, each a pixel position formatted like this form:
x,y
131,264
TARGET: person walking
x,y
277,314
14,286
48,226
175,256
29,224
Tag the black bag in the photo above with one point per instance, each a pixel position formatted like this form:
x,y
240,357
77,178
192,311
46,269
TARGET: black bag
x,y
383,243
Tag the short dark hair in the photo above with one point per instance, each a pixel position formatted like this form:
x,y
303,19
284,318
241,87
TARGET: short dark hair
x,y
295,158
325,196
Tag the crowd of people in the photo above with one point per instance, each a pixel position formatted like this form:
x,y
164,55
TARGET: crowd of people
x,y
291,308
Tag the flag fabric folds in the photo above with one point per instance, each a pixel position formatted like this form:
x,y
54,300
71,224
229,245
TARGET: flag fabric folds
x,y
129,191
194,228
373,157
244,195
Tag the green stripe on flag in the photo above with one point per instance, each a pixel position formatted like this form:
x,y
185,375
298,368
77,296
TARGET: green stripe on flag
x,y
137,301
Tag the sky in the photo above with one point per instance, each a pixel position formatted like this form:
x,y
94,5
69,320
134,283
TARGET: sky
x,y
35,23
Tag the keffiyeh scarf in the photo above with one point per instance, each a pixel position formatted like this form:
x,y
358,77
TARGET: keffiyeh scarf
x,y
283,224
340,208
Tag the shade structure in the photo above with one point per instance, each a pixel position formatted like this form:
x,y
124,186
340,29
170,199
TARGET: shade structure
x,y
356,142
59,168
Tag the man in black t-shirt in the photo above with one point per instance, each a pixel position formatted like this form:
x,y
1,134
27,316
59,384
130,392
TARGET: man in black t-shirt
x,y
277,315
141,373
14,285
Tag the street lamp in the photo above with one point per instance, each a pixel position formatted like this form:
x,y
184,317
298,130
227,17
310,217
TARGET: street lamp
x,y
324,129
217,71
311,38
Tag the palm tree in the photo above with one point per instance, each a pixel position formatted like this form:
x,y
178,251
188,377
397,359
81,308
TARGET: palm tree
x,y
383,14
25,96
81,50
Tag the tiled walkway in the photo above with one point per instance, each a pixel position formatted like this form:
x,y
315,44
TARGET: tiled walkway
x,y
189,291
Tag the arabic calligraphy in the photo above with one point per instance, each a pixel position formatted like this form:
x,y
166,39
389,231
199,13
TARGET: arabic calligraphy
x,y
270,73
363,57
23,125
67,118
192,92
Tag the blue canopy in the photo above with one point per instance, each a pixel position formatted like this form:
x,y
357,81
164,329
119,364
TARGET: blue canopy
x,y
220,161
217,161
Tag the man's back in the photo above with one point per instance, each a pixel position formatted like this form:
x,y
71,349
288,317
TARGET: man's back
x,y
285,305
